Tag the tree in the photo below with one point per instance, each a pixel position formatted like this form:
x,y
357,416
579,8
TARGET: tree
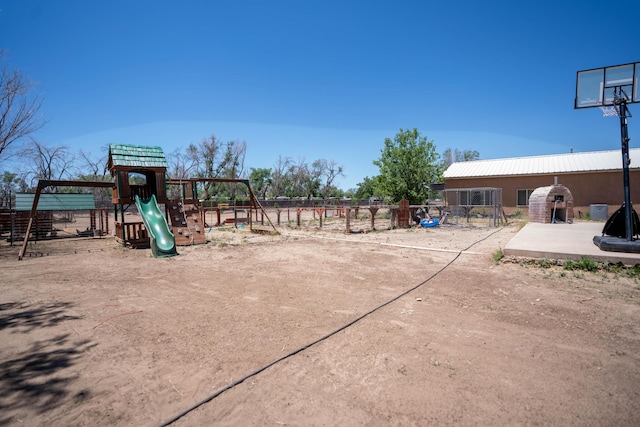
x,y
180,164
301,180
366,188
408,164
260,180
280,178
214,159
18,111
449,157
51,163
10,183
328,170
470,155
234,160
96,170
206,157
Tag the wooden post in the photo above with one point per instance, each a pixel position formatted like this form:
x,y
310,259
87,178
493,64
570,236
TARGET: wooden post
x,y
403,214
373,211
320,212
32,215
124,232
348,221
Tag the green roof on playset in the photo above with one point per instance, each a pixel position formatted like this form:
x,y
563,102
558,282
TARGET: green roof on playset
x,y
136,156
55,202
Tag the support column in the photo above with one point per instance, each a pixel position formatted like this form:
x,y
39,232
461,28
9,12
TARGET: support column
x,y
348,221
373,211
624,136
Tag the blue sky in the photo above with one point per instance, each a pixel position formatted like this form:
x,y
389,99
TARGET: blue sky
x,y
321,79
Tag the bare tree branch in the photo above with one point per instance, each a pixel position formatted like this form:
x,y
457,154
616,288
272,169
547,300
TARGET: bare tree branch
x,y
51,163
280,177
18,111
329,170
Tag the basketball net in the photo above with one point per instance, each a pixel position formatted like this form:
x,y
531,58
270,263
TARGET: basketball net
x,y
609,111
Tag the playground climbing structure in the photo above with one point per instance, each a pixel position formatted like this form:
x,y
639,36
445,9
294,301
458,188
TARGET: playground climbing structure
x,y
139,179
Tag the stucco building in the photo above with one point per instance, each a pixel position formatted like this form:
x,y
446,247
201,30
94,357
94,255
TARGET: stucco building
x,y
593,178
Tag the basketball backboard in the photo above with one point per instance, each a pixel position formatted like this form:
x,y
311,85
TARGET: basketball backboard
x,y
599,87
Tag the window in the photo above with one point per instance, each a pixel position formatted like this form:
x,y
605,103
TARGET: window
x,y
523,197
136,178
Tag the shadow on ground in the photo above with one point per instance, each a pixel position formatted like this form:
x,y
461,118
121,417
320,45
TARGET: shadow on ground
x,y
27,317
38,377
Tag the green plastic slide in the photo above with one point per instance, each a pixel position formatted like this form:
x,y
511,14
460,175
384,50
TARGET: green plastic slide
x,y
163,242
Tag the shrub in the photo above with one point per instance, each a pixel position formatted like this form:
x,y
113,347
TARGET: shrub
x,y
587,264
545,263
498,255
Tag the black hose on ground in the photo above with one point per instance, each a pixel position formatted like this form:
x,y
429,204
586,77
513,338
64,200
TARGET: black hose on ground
x,y
329,335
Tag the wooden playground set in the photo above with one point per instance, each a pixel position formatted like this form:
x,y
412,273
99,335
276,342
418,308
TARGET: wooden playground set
x,y
183,221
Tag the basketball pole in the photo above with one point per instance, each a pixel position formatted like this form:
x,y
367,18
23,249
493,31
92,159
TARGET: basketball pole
x,y
624,136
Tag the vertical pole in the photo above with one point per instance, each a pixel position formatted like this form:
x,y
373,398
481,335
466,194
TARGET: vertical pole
x,y
347,229
11,219
624,136
124,229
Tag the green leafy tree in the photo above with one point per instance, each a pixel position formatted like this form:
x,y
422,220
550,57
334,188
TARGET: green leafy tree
x,y
260,180
366,188
350,193
11,183
337,192
408,164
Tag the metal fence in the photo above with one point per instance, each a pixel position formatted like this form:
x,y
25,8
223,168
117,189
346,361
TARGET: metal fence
x,y
472,204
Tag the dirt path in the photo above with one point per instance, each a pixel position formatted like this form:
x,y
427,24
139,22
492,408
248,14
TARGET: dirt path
x,y
95,334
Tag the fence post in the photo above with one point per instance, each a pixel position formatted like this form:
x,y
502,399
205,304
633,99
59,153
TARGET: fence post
x,y
348,220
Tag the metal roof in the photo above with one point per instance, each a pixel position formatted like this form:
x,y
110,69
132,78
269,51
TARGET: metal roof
x,y
56,202
596,161
136,156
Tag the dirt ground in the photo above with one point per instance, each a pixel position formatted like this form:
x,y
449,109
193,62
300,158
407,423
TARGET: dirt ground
x,y
314,328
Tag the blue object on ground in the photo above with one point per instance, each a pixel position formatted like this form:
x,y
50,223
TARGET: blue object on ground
x,y
431,222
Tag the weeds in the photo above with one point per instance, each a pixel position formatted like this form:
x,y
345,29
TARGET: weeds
x,y
589,265
545,263
584,263
498,255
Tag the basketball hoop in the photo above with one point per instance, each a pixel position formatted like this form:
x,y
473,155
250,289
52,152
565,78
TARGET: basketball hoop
x,y
609,111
